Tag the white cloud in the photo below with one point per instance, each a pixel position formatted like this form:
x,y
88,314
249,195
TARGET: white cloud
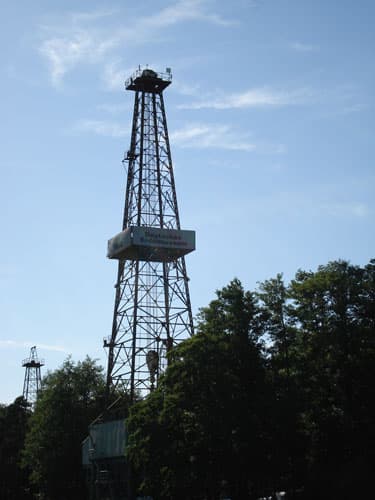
x,y
114,77
316,203
256,97
185,10
303,47
310,204
350,208
79,17
64,54
211,136
186,88
101,127
28,345
342,109
196,135
82,39
193,135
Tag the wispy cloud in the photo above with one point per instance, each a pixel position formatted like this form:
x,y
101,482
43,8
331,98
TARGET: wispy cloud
x,y
254,98
193,135
211,136
310,204
184,10
24,344
82,40
202,136
64,53
343,99
341,209
186,89
303,47
343,109
101,127
114,75
98,14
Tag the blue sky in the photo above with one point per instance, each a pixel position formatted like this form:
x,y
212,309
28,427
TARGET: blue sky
x,y
271,120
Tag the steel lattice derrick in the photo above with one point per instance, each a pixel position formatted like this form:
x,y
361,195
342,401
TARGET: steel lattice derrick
x,y
150,198
152,311
33,378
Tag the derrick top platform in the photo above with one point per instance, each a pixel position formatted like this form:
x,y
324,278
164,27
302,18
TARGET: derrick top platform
x,y
148,80
32,363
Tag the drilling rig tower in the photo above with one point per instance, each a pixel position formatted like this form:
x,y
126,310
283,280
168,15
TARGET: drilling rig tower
x,y
33,379
152,310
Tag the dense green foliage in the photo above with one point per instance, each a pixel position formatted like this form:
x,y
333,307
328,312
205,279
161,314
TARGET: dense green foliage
x,y
333,373
274,392
71,398
13,422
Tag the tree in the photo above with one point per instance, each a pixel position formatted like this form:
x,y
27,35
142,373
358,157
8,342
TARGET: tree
x,y
274,392
200,433
71,398
233,312
287,460
333,312
273,295
13,424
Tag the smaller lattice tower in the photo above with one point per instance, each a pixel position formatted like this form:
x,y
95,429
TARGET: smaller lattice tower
x,y
33,379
